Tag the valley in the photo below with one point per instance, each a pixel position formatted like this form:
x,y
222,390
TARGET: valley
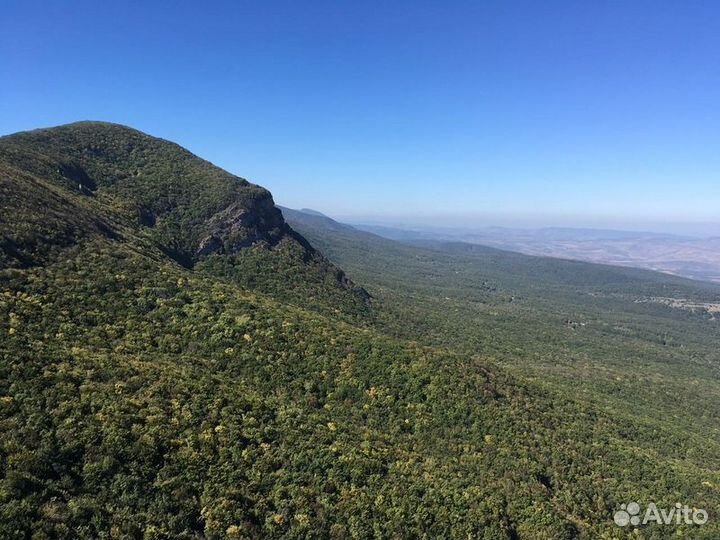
x,y
695,257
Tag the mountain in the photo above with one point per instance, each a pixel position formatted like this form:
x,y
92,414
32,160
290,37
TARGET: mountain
x,y
178,359
87,180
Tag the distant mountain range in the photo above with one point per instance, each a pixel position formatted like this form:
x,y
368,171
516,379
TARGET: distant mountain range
x,y
692,257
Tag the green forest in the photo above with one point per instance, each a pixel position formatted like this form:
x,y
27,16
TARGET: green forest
x,y
180,359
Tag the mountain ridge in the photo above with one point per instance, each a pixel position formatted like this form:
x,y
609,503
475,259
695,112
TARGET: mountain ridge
x,y
194,212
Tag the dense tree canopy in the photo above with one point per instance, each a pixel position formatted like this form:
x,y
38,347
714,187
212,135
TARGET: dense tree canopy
x,y
150,390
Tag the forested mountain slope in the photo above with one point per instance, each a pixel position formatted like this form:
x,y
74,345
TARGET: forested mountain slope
x,y
150,388
640,346
67,184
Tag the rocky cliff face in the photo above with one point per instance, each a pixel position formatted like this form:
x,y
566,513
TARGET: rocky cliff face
x,y
243,224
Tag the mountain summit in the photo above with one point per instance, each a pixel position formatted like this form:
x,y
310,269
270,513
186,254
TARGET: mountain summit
x,y
95,179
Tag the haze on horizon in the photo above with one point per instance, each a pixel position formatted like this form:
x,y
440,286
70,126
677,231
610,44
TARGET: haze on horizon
x,y
459,222
502,113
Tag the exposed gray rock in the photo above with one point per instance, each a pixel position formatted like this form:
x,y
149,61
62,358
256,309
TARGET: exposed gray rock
x,y
242,225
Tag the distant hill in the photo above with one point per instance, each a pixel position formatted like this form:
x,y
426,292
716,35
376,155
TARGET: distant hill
x,y
312,212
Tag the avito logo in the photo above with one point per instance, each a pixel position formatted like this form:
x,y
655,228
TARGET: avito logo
x,y
681,514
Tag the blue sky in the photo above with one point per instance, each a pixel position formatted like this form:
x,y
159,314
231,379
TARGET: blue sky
x,y
558,113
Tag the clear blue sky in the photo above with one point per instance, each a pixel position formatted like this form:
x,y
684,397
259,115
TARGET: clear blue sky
x,y
590,112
